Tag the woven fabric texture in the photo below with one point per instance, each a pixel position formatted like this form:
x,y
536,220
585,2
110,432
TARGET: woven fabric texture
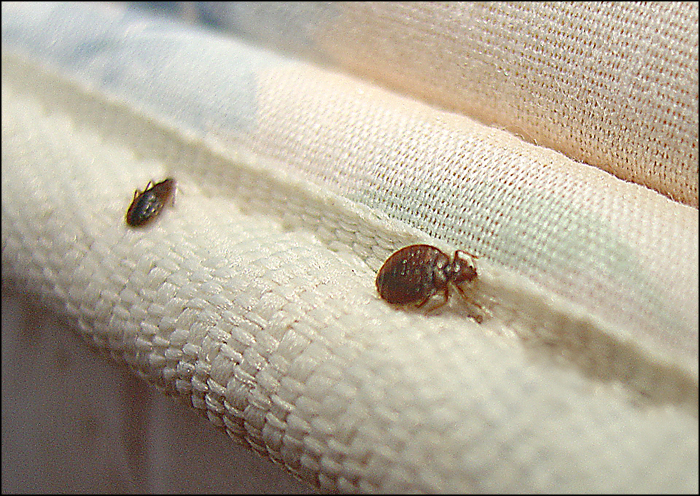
x,y
253,297
611,85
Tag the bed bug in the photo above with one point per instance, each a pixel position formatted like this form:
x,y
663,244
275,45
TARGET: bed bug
x,y
146,205
416,273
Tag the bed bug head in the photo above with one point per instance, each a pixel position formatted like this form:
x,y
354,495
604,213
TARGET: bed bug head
x,y
462,269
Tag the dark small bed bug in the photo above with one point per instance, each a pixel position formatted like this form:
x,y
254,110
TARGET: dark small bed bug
x,y
147,204
414,274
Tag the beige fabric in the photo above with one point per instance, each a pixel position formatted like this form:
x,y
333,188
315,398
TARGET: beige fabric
x,y
253,298
612,85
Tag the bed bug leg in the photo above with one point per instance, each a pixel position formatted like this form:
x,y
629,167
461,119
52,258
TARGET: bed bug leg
x,y
435,306
469,253
478,317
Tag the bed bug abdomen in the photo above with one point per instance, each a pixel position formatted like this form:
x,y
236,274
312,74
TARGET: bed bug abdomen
x,y
147,205
413,274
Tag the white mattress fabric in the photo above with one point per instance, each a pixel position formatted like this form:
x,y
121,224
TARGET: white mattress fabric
x,y
252,298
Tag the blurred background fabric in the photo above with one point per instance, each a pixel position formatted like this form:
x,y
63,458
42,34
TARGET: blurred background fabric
x,y
557,142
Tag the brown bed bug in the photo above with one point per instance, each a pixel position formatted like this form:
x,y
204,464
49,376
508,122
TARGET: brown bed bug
x,y
415,273
146,205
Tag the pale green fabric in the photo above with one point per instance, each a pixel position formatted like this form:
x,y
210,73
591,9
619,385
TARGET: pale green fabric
x,y
610,85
